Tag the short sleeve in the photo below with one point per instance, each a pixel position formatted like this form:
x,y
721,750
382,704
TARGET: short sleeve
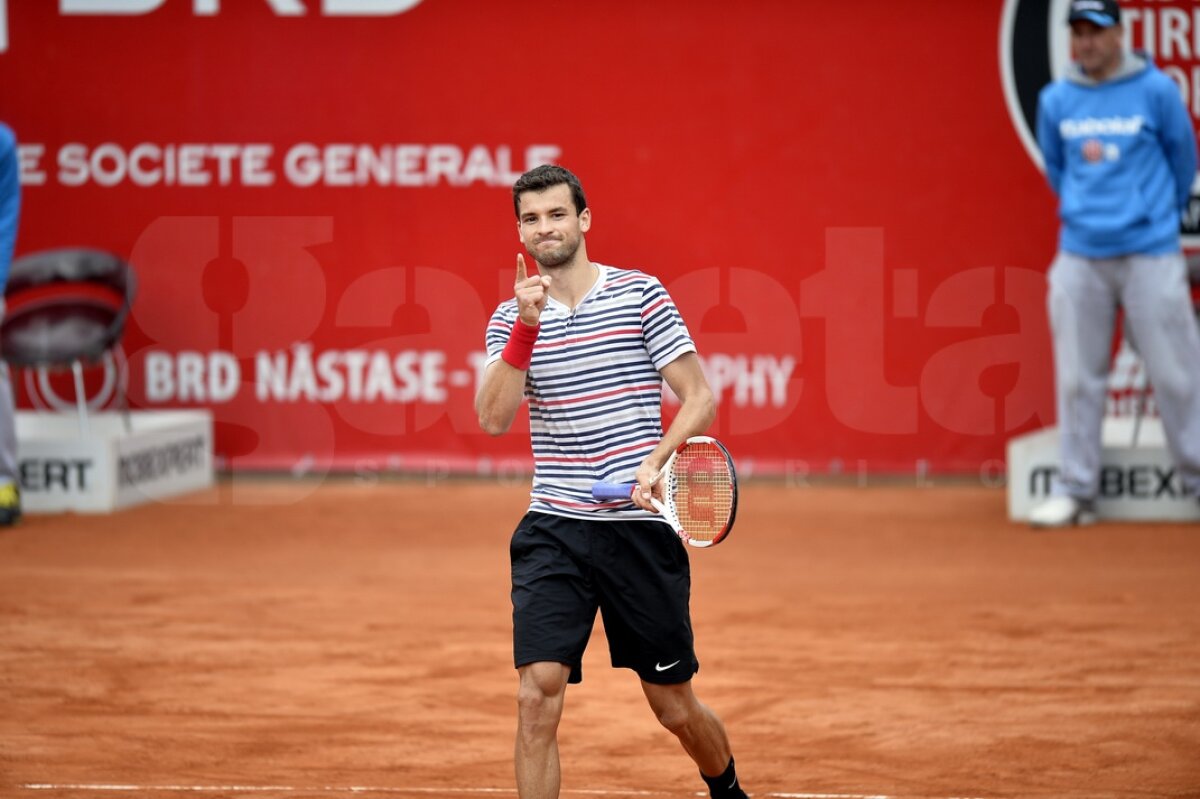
x,y
663,329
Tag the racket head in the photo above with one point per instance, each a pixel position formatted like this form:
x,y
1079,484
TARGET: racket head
x,y
701,491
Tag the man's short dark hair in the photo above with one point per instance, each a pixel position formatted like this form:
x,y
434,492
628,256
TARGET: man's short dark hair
x,y
544,177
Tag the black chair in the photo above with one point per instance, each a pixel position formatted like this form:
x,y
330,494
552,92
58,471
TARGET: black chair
x,y
67,309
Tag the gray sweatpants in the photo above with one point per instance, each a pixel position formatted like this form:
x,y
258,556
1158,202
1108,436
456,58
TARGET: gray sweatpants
x,y
1083,299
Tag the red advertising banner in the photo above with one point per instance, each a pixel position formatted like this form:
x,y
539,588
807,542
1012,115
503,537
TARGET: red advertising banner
x,y
316,197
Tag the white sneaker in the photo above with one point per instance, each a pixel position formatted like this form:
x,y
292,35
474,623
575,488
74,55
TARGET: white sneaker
x,y
1063,511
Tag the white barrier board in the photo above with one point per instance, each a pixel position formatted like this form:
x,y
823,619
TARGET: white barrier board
x,y
1138,480
160,454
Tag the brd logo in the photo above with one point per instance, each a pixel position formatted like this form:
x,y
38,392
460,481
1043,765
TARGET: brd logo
x,y
208,8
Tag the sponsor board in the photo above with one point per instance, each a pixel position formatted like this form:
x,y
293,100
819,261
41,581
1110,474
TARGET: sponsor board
x,y
1138,480
160,454
317,208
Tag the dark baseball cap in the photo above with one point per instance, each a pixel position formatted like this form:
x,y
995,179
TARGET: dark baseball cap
x,y
1104,13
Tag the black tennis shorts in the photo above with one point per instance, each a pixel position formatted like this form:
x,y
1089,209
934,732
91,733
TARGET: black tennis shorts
x,y
635,572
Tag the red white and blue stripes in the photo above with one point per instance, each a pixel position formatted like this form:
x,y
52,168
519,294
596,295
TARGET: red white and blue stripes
x,y
594,388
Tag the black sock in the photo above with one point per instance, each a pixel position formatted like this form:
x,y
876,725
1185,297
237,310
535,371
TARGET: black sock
x,y
725,786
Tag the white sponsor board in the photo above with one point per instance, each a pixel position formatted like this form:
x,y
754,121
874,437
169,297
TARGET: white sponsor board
x,y
160,455
1138,480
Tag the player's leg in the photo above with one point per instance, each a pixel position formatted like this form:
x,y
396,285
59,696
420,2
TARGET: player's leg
x,y
1159,310
554,609
1082,307
645,579
699,731
540,699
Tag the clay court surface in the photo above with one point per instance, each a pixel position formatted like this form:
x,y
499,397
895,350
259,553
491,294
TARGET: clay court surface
x,y
333,639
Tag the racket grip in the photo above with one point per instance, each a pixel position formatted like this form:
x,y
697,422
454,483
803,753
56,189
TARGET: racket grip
x,y
612,490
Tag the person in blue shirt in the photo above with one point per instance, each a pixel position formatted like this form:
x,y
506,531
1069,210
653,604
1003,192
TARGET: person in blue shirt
x,y
10,210
1120,153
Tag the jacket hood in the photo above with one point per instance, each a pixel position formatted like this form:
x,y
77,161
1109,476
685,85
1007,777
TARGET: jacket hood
x,y
1133,62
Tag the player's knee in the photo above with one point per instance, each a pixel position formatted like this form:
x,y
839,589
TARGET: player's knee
x,y
532,701
675,721
539,700
674,716
538,714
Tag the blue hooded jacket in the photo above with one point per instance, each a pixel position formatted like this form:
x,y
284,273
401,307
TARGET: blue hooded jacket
x,y
1121,156
10,200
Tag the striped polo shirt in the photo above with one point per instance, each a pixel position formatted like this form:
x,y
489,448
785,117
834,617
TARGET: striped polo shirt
x,y
594,389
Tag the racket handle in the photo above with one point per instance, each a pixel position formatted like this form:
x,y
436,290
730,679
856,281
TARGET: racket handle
x,y
612,490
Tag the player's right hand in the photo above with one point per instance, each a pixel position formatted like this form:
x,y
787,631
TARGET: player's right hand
x,y
531,293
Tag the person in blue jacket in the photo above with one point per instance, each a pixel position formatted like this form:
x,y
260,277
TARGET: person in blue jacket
x,y
1120,153
10,209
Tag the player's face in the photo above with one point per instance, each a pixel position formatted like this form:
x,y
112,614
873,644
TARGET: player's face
x,y
550,228
1096,49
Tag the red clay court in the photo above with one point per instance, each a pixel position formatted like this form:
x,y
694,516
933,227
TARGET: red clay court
x,y
329,639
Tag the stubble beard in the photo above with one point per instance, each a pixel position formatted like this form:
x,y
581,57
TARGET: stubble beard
x,y
556,257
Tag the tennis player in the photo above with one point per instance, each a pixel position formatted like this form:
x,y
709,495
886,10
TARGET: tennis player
x,y
589,347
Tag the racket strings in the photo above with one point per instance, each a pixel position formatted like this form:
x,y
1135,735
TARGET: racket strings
x,y
701,486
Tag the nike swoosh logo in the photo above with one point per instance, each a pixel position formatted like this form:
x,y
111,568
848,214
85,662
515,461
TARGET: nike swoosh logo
x,y
664,668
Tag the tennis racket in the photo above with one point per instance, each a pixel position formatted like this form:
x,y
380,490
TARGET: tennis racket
x,y
700,493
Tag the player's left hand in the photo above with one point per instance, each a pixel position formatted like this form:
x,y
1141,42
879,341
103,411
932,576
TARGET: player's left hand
x,y
647,486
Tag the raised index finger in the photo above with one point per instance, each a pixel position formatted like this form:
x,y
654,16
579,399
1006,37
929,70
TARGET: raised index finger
x,y
520,267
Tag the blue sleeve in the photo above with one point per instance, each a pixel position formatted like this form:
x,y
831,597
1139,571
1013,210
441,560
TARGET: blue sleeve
x,y
1049,141
10,200
1178,140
